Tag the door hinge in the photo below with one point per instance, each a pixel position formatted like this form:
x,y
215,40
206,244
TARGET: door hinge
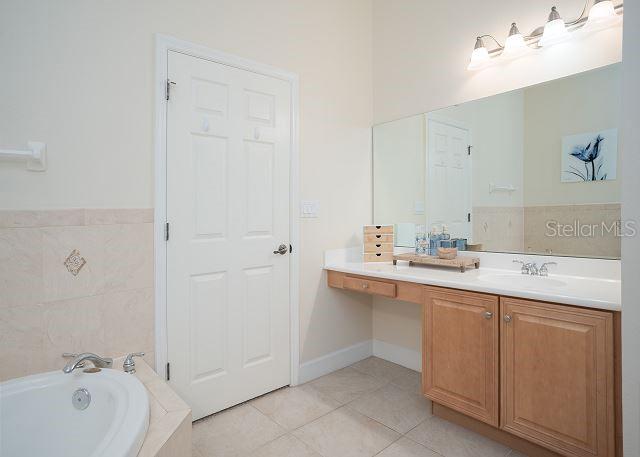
x,y
166,232
468,217
468,148
168,88
168,372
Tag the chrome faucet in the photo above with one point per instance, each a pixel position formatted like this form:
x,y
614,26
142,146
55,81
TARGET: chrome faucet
x,y
532,269
78,362
544,271
129,365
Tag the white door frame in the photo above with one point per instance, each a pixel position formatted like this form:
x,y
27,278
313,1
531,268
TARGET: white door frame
x,y
164,44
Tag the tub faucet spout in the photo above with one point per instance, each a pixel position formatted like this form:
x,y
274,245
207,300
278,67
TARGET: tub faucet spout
x,y
97,361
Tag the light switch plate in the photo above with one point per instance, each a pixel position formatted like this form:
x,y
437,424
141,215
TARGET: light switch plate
x,y
309,208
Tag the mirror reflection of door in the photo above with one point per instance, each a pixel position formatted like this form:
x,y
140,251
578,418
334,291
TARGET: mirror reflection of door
x,y
448,177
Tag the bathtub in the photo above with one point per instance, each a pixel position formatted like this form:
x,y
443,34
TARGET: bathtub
x,y
38,416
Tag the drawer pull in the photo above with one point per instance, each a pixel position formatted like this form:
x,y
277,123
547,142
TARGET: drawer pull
x,y
378,245
370,286
378,236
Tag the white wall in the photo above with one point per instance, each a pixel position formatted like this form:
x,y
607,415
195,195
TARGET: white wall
x,y
631,246
79,76
586,103
399,155
421,51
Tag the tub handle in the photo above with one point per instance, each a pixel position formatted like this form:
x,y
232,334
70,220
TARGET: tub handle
x,y
129,365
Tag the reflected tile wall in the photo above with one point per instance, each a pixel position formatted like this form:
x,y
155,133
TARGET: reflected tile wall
x,y
530,229
499,228
45,310
593,220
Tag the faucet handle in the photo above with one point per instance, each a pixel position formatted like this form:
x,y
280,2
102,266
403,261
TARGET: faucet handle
x,y
544,271
525,266
129,365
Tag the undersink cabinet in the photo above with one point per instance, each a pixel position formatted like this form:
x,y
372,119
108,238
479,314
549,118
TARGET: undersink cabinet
x,y
556,368
541,371
460,354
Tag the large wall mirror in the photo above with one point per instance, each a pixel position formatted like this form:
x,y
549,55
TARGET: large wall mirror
x,y
531,171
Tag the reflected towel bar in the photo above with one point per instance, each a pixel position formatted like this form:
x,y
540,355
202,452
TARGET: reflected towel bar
x,y
35,156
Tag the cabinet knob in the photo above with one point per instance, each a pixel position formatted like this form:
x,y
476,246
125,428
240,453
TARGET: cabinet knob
x,y
365,285
487,315
507,318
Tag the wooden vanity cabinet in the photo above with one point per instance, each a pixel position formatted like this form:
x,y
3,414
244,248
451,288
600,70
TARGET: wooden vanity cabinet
x,y
557,367
460,353
540,371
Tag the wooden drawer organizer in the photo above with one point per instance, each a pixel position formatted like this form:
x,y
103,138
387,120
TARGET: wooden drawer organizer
x,y
378,243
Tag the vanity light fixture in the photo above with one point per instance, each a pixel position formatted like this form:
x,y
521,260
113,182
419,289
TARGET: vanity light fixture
x,y
479,56
555,30
602,14
515,45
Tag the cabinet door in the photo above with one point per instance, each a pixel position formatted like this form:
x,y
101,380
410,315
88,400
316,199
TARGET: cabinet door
x,y
557,376
460,353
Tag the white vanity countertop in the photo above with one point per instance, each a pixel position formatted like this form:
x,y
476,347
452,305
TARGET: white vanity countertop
x,y
591,283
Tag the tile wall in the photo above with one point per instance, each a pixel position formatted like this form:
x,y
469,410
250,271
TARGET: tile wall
x,y
78,280
518,229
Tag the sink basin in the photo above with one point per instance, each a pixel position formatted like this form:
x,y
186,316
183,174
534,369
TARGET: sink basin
x,y
520,280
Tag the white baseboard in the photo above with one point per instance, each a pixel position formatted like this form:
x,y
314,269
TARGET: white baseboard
x,y
406,357
334,361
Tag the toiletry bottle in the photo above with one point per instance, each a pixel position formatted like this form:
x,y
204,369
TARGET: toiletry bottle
x,y
433,242
445,235
420,237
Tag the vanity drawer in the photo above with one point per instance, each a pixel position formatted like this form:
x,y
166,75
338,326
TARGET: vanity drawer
x,y
379,229
378,238
370,286
378,247
378,257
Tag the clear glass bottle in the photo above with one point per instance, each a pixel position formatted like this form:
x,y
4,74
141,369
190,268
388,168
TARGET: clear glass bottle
x,y
420,239
434,240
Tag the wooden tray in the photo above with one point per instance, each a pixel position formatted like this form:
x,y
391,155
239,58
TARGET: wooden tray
x,y
459,262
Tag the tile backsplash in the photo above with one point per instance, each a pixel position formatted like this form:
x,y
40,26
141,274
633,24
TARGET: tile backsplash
x,y
106,307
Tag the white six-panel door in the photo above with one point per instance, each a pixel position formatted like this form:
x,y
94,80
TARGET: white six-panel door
x,y
448,178
228,165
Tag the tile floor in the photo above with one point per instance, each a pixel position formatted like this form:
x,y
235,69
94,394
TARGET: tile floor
x,y
372,408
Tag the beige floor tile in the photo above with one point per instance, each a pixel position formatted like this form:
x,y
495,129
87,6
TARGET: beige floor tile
x,y
452,440
405,447
346,433
380,368
285,446
409,380
293,407
347,384
394,407
233,432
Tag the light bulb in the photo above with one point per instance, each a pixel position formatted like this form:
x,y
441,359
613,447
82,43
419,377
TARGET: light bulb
x,y
515,46
479,56
555,30
602,14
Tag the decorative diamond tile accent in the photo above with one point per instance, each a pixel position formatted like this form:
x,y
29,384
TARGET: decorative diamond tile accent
x,y
74,262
